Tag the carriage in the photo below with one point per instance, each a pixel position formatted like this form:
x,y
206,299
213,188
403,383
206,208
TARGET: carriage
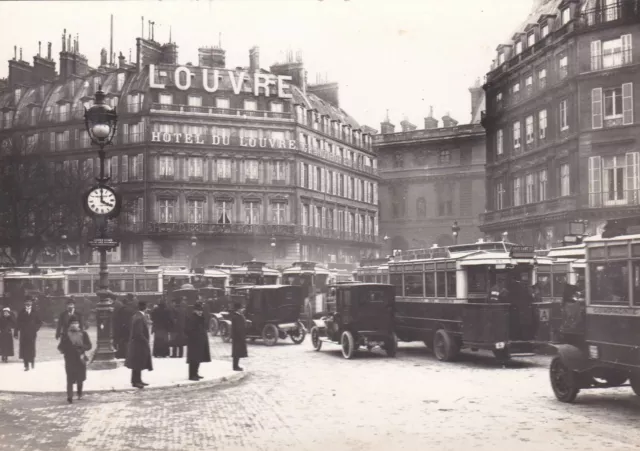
x,y
272,312
362,316
599,340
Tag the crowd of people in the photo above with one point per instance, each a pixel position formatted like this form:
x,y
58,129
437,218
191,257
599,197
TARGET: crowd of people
x,y
133,323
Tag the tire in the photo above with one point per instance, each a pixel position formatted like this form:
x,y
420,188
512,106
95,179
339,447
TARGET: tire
x,y
634,381
347,343
563,381
270,334
225,332
445,347
502,354
214,326
315,338
298,336
391,345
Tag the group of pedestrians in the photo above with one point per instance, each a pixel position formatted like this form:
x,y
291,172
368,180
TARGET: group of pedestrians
x,y
24,327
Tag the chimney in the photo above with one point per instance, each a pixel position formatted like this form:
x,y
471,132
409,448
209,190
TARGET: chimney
x,y
103,57
448,121
292,68
477,98
149,52
43,68
20,73
121,60
49,51
254,59
213,57
387,127
72,62
329,92
170,53
430,122
407,126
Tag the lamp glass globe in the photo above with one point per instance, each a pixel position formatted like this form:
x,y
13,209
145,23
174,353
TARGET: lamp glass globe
x,y
101,130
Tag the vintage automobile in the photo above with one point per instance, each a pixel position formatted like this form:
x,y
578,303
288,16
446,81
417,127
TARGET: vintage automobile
x,y
217,303
599,340
363,315
272,312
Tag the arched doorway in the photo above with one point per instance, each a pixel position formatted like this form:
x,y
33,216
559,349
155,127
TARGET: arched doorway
x,y
219,256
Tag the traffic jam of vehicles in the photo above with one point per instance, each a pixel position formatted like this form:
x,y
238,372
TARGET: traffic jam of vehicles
x,y
579,302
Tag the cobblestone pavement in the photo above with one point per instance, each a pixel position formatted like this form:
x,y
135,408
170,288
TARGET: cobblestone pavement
x,y
297,398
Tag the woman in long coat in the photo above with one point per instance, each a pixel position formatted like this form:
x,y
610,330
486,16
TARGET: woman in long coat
x,y
161,318
7,326
197,341
177,337
139,352
238,336
74,343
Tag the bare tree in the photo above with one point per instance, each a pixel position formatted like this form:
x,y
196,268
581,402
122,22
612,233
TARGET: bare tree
x,y
40,200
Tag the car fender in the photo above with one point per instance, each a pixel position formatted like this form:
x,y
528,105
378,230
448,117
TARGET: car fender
x,y
572,356
319,323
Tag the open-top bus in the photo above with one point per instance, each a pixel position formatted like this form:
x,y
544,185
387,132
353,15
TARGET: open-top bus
x,y
448,298
599,333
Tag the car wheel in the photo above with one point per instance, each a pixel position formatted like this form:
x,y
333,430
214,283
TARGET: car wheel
x,y
270,334
563,381
225,332
348,344
315,339
214,327
298,335
444,346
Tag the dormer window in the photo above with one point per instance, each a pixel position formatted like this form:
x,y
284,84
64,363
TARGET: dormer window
x,y
250,105
276,107
96,83
544,31
516,88
17,95
518,47
531,39
501,58
566,16
222,103
166,99
120,81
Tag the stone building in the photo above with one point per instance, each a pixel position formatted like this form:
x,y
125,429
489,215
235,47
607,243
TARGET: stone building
x,y
216,164
430,179
562,137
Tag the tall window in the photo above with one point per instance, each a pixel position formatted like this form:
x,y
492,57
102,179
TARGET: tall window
x,y
501,58
542,124
566,16
166,208
542,78
565,181
515,90
529,129
518,47
165,166
444,157
279,170
224,211
252,213
251,169
500,196
500,142
499,100
63,112
531,39
318,179
530,189
542,185
517,136
563,69
564,120
120,81
517,191
528,84
195,210
445,201
195,167
613,103
278,213
224,168
612,10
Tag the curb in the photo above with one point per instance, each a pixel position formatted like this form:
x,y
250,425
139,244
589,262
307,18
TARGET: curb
x,y
219,382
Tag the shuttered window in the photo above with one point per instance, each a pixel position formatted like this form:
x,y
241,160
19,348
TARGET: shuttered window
x,y
595,181
627,103
596,108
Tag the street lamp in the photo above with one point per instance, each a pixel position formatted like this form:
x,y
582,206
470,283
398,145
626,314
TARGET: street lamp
x,y
194,240
102,202
273,251
455,229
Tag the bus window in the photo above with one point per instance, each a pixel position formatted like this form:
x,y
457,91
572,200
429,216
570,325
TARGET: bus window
x,y
413,284
559,281
429,284
441,284
609,283
451,284
544,282
477,280
396,281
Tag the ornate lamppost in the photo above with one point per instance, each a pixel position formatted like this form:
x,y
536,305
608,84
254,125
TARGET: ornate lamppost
x,y
102,202
455,230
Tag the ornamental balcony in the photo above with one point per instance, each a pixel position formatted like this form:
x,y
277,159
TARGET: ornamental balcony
x,y
560,204
622,12
186,110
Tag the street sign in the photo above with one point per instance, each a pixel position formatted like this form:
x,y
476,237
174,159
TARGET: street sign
x,y
104,243
522,252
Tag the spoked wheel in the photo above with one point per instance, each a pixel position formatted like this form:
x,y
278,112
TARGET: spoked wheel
x,y
214,326
297,335
348,344
225,332
563,381
391,345
315,339
444,346
270,334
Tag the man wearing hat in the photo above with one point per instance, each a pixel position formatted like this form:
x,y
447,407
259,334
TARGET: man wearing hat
x,y
122,325
139,352
7,325
27,326
238,336
63,319
197,341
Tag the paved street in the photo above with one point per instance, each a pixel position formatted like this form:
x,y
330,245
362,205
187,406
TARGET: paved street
x,y
297,398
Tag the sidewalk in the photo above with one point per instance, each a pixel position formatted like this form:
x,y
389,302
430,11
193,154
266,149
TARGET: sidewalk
x,y
49,377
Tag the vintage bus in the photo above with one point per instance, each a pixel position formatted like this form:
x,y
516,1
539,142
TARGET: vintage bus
x,y
443,298
373,271
315,279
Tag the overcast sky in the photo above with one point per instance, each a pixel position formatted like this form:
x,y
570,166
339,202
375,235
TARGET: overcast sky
x,y
401,55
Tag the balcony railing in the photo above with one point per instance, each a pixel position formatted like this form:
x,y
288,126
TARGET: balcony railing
x,y
611,60
326,155
214,111
619,198
622,11
526,210
266,230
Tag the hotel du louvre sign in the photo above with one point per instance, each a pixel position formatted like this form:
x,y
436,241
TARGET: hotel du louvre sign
x,y
220,140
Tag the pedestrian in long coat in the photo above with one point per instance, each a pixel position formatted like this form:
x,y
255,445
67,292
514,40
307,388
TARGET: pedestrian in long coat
x,y
197,341
28,324
177,337
63,319
138,352
7,326
238,336
162,321
74,344
122,326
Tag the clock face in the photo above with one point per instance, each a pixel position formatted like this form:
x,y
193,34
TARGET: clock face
x,y
101,201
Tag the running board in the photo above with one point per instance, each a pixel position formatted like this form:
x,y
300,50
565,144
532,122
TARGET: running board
x,y
522,354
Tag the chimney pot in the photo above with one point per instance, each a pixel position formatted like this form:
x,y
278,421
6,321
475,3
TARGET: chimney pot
x,y
49,51
39,47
